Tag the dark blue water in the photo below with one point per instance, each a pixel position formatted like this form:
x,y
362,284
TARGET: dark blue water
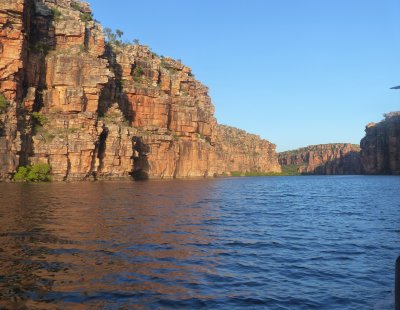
x,y
267,242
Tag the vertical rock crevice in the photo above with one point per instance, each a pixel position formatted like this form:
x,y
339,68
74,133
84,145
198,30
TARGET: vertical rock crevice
x,y
102,145
141,164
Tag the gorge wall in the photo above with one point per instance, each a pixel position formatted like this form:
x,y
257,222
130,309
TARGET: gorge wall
x,y
96,110
337,158
380,148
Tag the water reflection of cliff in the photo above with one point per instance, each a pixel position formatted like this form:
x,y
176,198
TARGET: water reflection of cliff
x,y
95,243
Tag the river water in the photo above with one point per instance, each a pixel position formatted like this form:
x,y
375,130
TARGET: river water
x,y
317,242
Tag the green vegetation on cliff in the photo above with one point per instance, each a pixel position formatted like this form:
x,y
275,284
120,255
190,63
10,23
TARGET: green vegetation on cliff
x,y
290,170
137,73
3,103
39,118
113,38
35,173
56,13
86,17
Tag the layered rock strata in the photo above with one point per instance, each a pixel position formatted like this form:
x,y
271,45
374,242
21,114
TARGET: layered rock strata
x,y
238,151
96,110
337,158
380,148
12,43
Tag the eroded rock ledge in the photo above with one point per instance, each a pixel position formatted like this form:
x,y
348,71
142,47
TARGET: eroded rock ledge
x,y
97,111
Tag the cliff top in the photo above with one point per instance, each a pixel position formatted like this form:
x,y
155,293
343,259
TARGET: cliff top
x,y
321,147
388,117
395,114
229,133
77,5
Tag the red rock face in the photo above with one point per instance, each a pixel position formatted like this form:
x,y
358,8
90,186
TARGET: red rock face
x,y
173,115
92,111
380,148
11,63
11,46
338,158
238,151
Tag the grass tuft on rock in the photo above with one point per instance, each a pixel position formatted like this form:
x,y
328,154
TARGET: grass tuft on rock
x,y
56,13
3,103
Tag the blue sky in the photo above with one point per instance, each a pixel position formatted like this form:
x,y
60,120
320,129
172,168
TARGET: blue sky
x,y
294,72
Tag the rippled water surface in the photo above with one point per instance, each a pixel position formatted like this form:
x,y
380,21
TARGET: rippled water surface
x,y
273,242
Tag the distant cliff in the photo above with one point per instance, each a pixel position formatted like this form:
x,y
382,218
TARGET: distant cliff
x,y
238,151
380,148
337,158
96,110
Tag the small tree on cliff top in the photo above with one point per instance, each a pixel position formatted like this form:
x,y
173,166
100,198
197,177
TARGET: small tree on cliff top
x,y
119,33
113,37
391,114
110,36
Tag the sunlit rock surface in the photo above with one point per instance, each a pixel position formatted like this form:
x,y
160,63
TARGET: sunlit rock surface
x,y
98,111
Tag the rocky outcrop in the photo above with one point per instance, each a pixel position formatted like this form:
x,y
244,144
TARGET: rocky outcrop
x,y
97,110
238,151
380,148
337,158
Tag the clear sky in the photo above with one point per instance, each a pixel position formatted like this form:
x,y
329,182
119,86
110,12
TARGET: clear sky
x,y
295,72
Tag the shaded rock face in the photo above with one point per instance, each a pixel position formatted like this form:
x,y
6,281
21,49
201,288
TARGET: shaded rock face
x,y
338,158
92,110
380,148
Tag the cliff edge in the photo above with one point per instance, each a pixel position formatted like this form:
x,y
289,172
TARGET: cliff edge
x,y
92,109
380,148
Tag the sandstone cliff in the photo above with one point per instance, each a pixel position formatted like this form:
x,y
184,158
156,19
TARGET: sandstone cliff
x,y
338,158
380,148
238,151
96,110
